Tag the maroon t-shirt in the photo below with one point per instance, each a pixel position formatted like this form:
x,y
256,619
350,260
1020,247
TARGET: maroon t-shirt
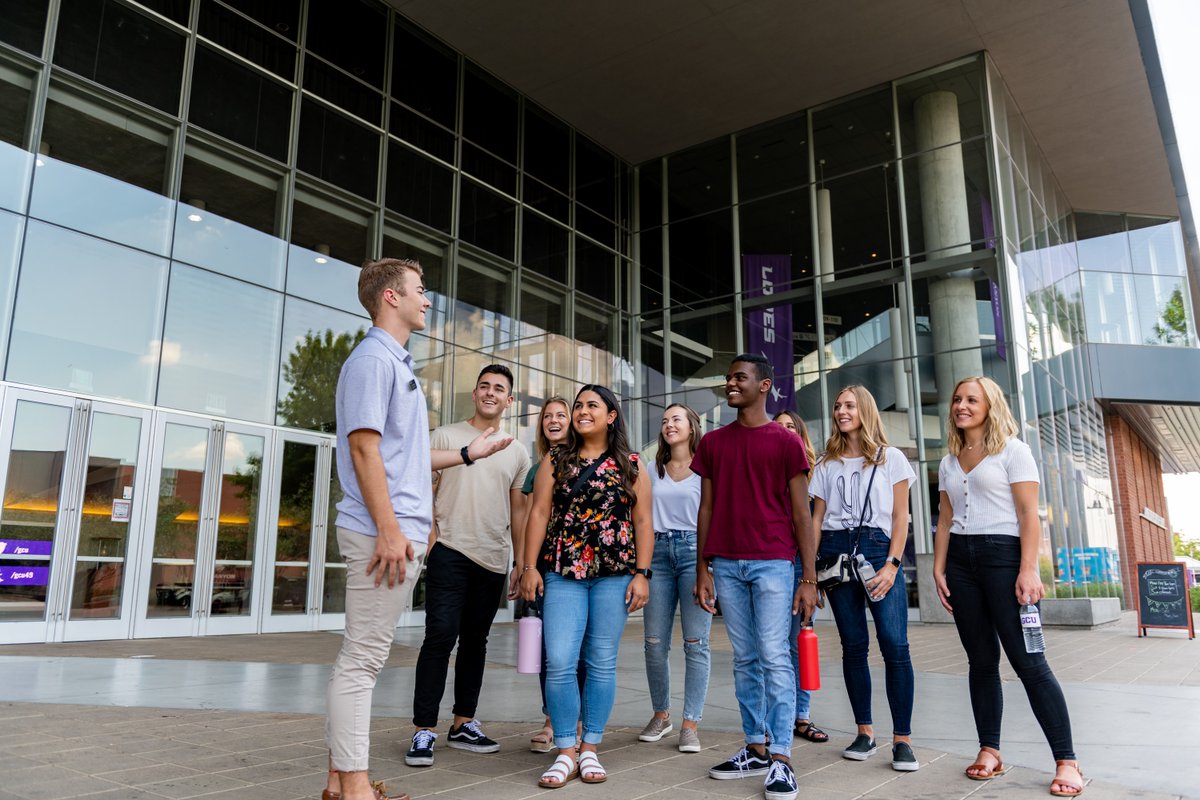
x,y
751,507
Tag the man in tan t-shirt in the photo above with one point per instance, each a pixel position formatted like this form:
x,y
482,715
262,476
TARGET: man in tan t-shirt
x,y
478,510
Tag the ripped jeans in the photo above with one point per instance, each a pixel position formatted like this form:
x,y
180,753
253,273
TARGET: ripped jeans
x,y
674,578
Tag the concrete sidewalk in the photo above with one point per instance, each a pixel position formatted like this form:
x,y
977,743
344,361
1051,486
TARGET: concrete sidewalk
x,y
242,716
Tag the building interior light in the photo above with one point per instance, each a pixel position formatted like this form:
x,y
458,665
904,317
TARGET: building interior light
x,y
195,218
321,260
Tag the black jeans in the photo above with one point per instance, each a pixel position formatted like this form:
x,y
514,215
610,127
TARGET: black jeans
x,y
461,600
981,573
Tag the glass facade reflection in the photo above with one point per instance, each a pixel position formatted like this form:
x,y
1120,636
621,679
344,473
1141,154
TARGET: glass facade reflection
x,y
171,245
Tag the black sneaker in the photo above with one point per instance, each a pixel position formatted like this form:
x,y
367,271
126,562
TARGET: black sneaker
x,y
421,752
469,736
781,782
862,748
745,763
903,758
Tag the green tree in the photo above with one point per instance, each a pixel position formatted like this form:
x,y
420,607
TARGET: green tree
x,y
1185,547
312,372
1172,327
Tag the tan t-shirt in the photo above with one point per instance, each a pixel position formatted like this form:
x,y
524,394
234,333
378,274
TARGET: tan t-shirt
x,y
472,505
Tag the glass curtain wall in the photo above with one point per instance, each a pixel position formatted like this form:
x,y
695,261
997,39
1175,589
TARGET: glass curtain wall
x,y
223,179
853,243
1051,268
209,180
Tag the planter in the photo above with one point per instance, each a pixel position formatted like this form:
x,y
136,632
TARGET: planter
x,y
1074,611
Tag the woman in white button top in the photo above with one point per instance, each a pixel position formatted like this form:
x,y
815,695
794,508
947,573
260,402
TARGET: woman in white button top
x,y
985,566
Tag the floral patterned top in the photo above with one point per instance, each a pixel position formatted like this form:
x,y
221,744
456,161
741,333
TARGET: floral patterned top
x,y
590,534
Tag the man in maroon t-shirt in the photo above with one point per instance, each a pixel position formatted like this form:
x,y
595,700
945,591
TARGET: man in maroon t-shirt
x,y
753,519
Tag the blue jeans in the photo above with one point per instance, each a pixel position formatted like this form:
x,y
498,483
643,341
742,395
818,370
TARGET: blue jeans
x,y
803,698
756,604
674,568
849,602
582,617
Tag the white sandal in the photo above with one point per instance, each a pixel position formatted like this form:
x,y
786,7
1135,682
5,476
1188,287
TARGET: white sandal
x,y
590,769
560,773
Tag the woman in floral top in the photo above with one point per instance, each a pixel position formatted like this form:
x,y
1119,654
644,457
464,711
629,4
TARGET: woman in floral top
x,y
590,530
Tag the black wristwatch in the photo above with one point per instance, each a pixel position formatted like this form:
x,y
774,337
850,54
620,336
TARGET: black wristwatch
x,y
895,562
466,458
647,572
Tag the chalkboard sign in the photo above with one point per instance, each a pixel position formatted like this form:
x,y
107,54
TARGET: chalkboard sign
x,y
1163,600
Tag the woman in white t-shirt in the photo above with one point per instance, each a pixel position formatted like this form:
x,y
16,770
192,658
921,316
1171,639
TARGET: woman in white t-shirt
x,y
675,490
985,566
861,508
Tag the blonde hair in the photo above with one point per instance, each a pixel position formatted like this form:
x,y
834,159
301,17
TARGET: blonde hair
x,y
999,426
802,432
386,273
543,441
872,440
664,450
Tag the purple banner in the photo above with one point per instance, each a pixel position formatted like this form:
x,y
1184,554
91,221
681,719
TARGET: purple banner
x,y
769,328
24,576
25,547
989,238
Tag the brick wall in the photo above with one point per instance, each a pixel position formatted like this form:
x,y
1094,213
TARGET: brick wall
x,y
1137,482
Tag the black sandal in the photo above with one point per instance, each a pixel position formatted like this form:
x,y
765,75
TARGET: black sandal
x,y
810,732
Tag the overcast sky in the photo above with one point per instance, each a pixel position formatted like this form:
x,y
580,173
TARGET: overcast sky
x,y
1176,26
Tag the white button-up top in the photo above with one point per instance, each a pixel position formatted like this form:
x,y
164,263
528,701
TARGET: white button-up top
x,y
982,499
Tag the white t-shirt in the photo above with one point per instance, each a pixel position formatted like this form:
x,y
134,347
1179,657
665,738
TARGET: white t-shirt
x,y
982,499
676,503
842,484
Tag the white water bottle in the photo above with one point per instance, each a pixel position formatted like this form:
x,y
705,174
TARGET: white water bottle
x,y
1031,627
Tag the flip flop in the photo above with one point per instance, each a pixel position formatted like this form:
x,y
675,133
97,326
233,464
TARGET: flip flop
x,y
1078,787
560,773
590,769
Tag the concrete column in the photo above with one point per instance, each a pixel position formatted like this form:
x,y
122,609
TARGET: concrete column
x,y
824,236
947,226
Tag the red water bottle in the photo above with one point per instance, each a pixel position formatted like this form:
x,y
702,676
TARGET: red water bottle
x,y
810,665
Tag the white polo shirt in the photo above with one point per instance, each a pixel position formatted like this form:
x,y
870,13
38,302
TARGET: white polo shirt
x,y
982,499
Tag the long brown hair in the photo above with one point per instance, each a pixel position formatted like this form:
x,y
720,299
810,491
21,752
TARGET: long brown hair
x,y
568,459
997,429
872,439
802,432
664,450
543,441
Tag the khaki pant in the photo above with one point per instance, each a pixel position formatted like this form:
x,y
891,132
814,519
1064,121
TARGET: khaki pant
x,y
371,616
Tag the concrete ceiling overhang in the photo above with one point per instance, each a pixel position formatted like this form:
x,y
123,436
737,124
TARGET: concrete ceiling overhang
x,y
1171,431
646,78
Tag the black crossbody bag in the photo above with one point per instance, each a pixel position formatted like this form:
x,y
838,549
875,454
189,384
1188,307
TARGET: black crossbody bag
x,y
838,569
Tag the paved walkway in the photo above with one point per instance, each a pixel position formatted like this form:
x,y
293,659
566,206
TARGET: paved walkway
x,y
241,717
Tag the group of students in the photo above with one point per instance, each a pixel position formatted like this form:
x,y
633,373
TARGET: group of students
x,y
585,559
744,514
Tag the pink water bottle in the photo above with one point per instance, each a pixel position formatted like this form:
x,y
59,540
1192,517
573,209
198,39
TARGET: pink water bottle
x,y
529,643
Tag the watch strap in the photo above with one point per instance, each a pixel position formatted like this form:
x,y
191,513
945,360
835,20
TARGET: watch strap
x,y
895,562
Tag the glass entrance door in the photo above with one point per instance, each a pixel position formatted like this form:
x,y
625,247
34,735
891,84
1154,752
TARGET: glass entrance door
x,y
71,515
296,539
204,544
